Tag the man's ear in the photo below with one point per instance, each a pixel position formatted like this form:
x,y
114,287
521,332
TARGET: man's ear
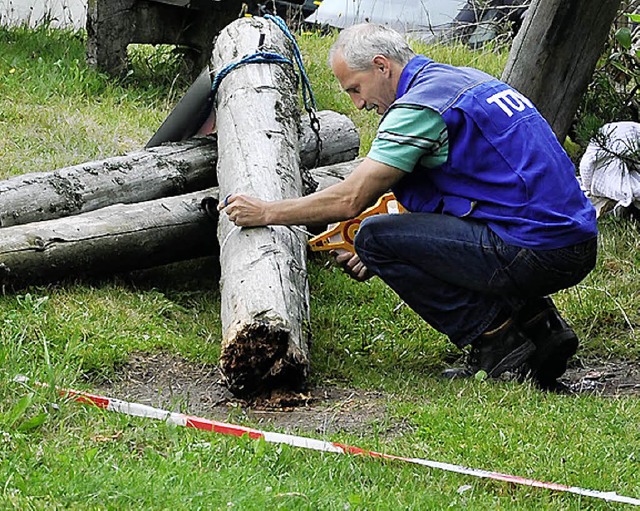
x,y
380,62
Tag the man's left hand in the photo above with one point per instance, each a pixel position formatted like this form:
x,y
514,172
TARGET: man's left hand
x,y
352,265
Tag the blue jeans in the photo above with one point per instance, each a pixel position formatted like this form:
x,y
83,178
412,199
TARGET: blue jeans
x,y
458,275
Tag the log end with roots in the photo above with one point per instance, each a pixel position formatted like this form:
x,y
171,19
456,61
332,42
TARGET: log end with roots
x,y
260,358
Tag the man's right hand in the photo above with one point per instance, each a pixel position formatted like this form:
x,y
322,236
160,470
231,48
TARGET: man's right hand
x,y
352,265
244,211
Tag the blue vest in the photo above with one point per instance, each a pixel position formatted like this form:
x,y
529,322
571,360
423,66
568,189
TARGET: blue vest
x,y
505,166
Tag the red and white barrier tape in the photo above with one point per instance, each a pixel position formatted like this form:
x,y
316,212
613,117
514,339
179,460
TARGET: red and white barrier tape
x,y
190,421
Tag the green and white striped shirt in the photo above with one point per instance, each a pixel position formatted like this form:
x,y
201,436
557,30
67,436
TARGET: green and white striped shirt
x,y
409,135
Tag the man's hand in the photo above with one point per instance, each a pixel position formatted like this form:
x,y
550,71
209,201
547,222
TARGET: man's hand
x,y
352,265
244,211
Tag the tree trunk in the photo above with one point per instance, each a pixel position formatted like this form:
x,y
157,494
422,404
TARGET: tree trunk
x,y
114,24
140,176
119,238
264,287
555,52
339,140
170,169
109,240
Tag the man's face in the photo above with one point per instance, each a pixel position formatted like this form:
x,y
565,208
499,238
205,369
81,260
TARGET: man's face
x,y
370,89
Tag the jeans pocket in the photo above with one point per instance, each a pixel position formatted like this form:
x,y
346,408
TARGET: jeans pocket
x,y
543,272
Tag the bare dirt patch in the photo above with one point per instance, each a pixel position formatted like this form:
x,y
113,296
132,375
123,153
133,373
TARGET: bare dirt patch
x,y
174,384
612,378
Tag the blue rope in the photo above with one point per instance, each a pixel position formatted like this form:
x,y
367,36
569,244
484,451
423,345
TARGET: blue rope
x,y
307,94
272,58
256,58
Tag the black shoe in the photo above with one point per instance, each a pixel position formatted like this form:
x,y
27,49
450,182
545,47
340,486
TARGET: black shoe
x,y
495,352
554,339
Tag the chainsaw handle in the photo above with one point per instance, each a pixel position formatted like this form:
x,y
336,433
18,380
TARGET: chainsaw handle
x,y
343,234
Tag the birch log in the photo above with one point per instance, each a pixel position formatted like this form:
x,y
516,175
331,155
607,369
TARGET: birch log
x,y
119,238
171,169
264,287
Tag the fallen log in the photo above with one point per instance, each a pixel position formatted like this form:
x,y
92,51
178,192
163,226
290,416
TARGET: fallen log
x,y
339,141
109,240
120,238
170,169
264,291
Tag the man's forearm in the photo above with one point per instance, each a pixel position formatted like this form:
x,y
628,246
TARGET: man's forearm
x,y
341,201
322,207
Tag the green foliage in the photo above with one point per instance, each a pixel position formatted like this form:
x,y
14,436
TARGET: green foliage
x,y
603,307
360,339
60,112
158,67
614,92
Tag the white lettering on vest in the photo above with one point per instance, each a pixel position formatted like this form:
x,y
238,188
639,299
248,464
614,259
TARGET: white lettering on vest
x,y
509,100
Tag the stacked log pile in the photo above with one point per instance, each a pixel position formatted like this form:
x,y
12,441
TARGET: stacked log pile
x,y
166,170
150,208
120,237
135,211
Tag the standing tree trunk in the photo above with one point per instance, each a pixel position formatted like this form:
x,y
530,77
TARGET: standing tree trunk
x,y
264,287
555,52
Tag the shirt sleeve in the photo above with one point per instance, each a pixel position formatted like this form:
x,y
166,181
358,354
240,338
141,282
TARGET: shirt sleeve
x,y
409,135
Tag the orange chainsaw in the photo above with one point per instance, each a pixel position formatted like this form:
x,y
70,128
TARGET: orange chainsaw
x,y
340,236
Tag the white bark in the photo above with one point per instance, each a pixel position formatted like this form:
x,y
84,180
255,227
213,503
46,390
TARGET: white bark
x,y
264,287
170,169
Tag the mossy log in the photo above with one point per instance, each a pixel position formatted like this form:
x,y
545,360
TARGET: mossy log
x,y
120,238
170,169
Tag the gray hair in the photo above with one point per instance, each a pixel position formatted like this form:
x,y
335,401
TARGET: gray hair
x,y
358,45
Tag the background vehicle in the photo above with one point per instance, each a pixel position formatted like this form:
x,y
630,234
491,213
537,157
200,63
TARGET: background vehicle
x,y
403,15
475,21
479,21
289,10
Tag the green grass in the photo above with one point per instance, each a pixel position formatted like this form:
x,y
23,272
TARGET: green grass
x,y
55,454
